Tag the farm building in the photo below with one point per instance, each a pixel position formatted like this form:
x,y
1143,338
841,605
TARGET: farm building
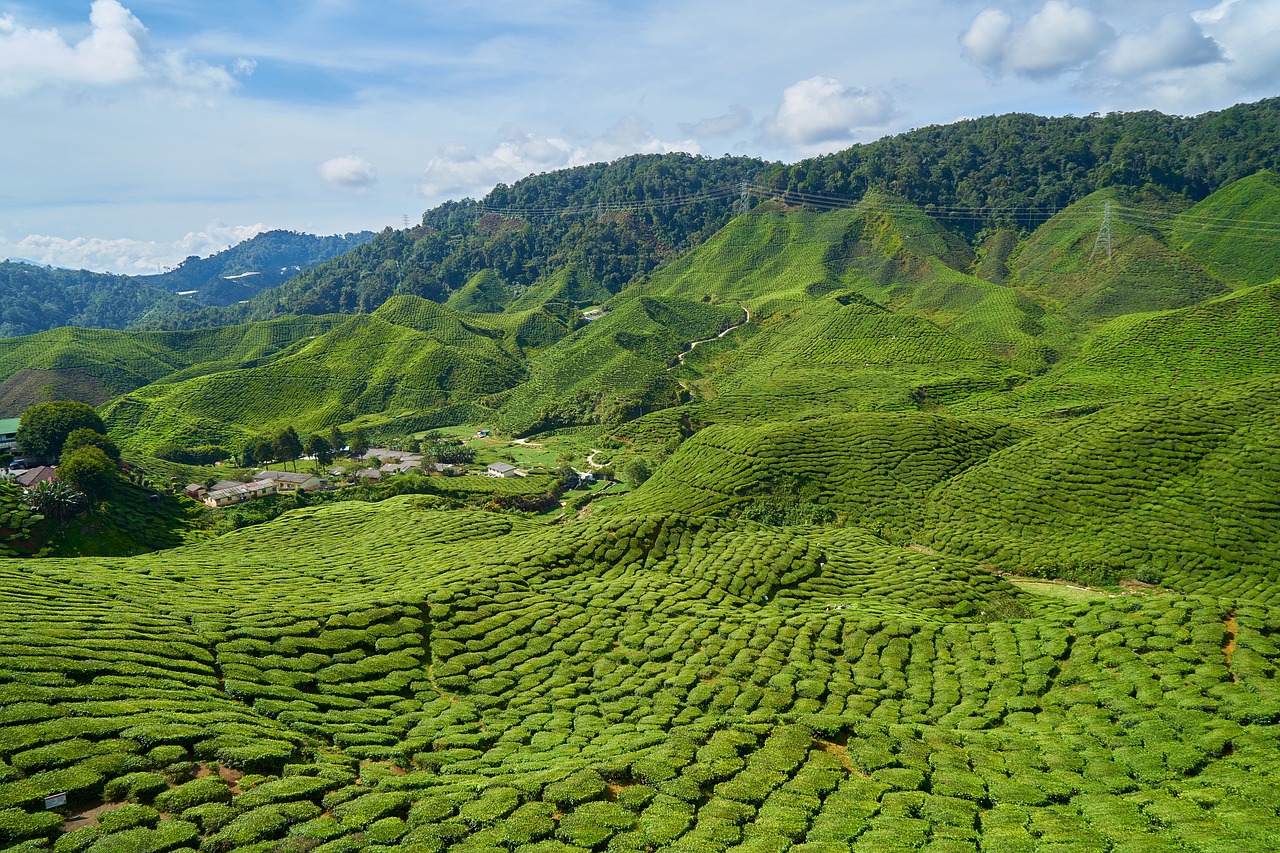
x,y
9,434
239,493
502,469
290,481
31,476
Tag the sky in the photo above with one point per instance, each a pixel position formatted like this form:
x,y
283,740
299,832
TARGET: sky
x,y
134,133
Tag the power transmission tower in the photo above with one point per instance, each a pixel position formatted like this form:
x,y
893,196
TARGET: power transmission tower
x,y
406,222
744,203
1104,234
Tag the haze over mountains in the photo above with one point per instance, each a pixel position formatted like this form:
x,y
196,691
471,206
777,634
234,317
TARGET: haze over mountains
x,y
960,532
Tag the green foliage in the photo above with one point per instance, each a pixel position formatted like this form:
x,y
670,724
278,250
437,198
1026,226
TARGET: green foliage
x,y
84,437
89,471
809,628
45,427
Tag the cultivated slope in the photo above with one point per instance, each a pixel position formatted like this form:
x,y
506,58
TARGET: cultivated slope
x,y
392,677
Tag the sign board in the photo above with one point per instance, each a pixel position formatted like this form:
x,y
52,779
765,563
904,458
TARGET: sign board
x,y
54,800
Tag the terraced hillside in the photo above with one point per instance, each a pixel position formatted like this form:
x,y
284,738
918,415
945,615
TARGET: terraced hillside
x,y
410,357
366,677
1231,234
951,542
95,365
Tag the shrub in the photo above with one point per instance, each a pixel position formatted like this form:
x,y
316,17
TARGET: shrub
x,y
580,787
209,789
135,787
17,825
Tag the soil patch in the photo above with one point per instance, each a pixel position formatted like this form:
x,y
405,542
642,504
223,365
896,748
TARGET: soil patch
x,y
90,816
1229,647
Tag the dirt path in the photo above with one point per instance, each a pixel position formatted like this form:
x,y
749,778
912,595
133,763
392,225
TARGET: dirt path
x,y
591,460
681,357
524,442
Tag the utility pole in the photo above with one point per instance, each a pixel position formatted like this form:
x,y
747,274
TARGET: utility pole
x,y
1104,234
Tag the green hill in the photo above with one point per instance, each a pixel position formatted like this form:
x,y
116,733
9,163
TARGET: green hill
x,y
407,360
1232,233
95,365
866,469
1232,337
955,540
483,294
1175,489
1058,262
615,368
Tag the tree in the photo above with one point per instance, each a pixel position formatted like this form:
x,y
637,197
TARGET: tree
x,y
319,447
337,439
287,445
89,471
359,442
257,451
84,437
636,471
44,427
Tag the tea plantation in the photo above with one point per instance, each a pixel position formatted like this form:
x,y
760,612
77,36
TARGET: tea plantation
x,y
813,628
382,676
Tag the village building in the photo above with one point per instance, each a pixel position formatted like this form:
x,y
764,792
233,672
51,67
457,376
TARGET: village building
x,y
31,476
503,470
9,434
239,493
290,481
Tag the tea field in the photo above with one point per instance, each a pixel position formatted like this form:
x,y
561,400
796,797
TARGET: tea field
x,y
387,676
933,545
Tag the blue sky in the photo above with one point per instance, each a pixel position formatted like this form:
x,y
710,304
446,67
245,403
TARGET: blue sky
x,y
137,132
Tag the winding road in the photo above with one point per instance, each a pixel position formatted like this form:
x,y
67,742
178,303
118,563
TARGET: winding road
x,y
746,319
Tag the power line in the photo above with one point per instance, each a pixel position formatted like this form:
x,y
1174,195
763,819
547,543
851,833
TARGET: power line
x,y
1104,234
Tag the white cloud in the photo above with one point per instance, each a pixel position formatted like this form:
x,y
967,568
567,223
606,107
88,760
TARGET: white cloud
x,y
1057,38
1177,42
349,172
820,112
1249,31
1187,64
986,40
125,256
736,119
458,169
116,52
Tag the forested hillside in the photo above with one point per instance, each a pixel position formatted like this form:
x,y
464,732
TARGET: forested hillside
x,y
38,298
607,223
920,531
1014,169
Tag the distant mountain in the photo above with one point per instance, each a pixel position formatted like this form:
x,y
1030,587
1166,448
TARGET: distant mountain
x,y
601,226
246,269
36,298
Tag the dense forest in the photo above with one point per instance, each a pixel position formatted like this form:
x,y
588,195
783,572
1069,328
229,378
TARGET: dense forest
x,y
611,223
39,298
607,221
1017,169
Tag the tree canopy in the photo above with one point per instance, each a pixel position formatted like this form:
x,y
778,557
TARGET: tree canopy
x,y
44,428
88,470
